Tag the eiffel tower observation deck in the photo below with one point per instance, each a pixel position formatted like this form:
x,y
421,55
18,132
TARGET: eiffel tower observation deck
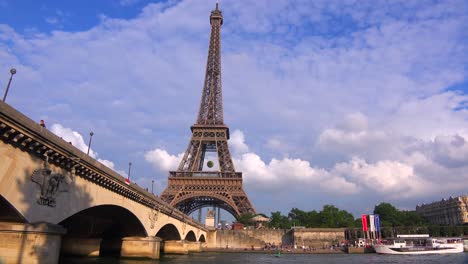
x,y
199,183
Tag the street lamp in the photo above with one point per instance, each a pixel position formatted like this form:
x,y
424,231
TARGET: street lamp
x,y
12,72
129,168
152,183
89,144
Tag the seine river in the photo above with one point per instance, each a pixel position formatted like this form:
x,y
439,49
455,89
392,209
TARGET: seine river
x,y
244,258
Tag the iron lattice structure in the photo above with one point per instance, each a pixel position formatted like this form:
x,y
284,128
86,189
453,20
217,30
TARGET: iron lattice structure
x,y
192,187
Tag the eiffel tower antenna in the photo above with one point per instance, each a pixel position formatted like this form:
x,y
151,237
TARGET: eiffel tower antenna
x,y
193,186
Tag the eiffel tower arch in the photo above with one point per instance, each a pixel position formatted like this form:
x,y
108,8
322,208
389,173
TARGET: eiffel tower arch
x,y
194,185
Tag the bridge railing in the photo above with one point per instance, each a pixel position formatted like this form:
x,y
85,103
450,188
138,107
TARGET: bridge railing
x,y
19,130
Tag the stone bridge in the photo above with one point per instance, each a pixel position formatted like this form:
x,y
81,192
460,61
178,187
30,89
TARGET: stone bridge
x,y
55,198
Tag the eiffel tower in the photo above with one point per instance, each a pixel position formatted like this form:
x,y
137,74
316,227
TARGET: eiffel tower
x,y
194,186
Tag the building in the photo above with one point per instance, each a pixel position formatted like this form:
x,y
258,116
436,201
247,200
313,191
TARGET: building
x,y
452,211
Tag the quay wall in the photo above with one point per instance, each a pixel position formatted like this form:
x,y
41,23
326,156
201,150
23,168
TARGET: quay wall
x,y
258,238
247,238
318,237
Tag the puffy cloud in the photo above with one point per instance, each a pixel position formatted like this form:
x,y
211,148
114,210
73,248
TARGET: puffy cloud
x,y
72,136
353,137
426,118
281,174
402,165
237,142
451,151
111,165
392,178
76,139
162,160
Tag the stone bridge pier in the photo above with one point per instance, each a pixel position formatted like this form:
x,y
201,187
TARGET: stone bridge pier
x,y
56,200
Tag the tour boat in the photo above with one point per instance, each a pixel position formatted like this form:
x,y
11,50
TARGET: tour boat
x,y
419,244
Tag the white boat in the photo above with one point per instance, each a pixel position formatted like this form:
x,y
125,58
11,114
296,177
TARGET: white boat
x,y
419,244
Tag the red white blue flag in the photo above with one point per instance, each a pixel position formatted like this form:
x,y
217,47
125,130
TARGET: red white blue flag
x,y
371,223
364,222
377,222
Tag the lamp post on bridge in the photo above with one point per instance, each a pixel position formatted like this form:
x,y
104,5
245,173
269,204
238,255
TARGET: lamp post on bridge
x,y
152,183
12,72
89,144
127,181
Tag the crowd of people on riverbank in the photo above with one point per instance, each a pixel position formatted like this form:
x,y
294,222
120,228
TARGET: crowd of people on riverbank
x,y
291,248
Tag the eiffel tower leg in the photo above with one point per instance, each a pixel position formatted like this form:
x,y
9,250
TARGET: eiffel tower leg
x,y
189,155
224,156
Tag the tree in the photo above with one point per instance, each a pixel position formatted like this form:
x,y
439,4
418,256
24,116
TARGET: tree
x,y
298,217
277,220
389,215
245,219
313,219
330,216
334,217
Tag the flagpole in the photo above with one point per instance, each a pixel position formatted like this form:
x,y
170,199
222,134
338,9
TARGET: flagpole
x,y
364,226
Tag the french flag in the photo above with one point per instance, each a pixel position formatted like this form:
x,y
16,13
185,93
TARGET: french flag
x,y
364,222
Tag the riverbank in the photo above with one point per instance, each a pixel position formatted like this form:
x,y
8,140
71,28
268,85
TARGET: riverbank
x,y
261,251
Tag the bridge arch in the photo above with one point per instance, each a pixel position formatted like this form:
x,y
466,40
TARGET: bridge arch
x,y
202,238
191,236
104,221
169,232
8,212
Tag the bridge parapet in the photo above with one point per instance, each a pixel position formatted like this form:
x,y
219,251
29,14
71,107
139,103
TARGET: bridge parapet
x,y
20,131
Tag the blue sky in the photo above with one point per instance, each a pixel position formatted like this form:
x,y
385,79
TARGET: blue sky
x,y
350,103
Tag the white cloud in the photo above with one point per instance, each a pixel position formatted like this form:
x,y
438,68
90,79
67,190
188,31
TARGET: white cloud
x,y
426,118
403,165
451,151
353,137
111,165
72,136
237,142
76,139
280,175
162,160
389,179
392,178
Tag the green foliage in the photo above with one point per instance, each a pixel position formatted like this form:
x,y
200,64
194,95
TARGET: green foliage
x,y
391,216
334,217
245,218
388,214
279,221
330,216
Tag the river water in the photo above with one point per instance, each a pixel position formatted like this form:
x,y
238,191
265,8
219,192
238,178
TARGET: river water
x,y
245,258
